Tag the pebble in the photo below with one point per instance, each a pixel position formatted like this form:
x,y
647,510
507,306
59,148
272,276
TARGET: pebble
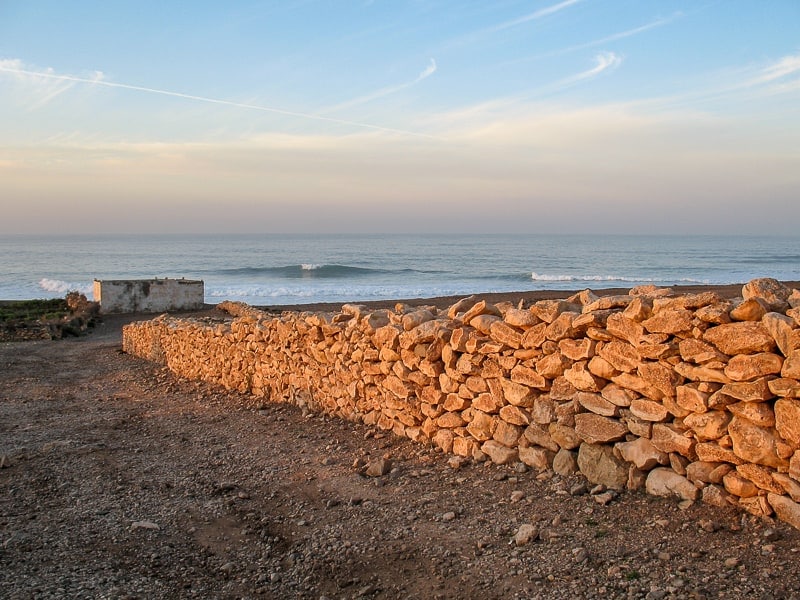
x,y
145,525
526,533
731,562
448,516
517,495
379,467
579,489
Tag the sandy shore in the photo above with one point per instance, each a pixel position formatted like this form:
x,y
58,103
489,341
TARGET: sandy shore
x,y
528,297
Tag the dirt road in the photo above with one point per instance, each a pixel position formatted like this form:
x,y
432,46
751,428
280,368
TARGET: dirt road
x,y
120,481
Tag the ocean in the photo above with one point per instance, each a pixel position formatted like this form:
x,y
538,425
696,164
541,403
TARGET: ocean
x,y
271,269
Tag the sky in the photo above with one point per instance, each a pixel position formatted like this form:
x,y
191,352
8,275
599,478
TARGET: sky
x,y
547,116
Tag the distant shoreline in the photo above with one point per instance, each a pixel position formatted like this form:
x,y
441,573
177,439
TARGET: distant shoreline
x,y
728,291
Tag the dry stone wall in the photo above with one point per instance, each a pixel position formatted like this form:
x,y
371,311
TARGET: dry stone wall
x,y
691,396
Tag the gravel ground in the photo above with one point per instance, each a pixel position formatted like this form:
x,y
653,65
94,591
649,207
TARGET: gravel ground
x,y
120,481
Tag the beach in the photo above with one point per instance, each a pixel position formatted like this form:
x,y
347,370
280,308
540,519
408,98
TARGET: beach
x,y
125,481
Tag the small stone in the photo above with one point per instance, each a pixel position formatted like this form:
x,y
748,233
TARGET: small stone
x,y
581,555
145,525
731,562
448,516
526,533
579,489
605,498
771,535
228,568
708,525
379,467
517,495
456,462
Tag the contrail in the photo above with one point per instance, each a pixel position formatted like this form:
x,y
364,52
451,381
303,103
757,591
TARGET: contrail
x,y
279,111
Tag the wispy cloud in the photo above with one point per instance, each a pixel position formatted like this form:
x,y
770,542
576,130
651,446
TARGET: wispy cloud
x,y
15,68
604,62
779,70
539,14
385,91
43,85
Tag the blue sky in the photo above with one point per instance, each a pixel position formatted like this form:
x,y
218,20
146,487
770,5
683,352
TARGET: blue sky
x,y
564,116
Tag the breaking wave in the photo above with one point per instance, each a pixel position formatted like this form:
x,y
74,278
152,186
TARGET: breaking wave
x,y
612,278
57,286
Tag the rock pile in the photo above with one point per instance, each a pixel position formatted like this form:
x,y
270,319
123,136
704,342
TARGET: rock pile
x,y
690,396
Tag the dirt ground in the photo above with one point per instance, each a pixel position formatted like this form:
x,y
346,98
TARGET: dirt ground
x,y
119,480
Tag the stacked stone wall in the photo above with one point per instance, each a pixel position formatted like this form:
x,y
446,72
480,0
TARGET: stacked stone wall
x,y
691,396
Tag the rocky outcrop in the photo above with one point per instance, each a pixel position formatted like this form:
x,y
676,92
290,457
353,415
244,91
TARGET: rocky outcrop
x,y
689,396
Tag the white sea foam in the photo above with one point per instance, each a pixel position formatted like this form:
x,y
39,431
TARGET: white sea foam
x,y
57,286
610,278
310,266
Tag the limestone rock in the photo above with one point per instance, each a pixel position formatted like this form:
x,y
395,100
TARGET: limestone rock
x,y
772,291
758,413
565,462
668,439
538,435
622,356
786,509
482,426
596,429
504,333
528,377
648,410
752,309
643,454
700,471
500,454
754,444
746,367
599,465
787,420
625,328
536,457
791,366
789,485
713,452
517,394
507,434
618,396
552,365
522,318
708,426
600,367
666,482
515,415
699,352
717,496
748,391
691,398
740,338
760,476
785,388
580,377
597,404
739,486
566,437
669,321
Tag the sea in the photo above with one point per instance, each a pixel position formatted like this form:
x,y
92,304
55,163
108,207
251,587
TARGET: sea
x,y
271,269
